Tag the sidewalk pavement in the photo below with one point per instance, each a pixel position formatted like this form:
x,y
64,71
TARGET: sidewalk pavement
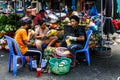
x,y
100,69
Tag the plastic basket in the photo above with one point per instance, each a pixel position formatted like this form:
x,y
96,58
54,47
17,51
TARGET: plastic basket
x,y
60,66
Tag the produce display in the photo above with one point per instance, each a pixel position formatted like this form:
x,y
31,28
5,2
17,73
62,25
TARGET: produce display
x,y
7,28
9,23
10,28
51,32
32,31
48,52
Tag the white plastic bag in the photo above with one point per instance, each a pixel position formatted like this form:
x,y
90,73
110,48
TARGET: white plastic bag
x,y
44,62
34,64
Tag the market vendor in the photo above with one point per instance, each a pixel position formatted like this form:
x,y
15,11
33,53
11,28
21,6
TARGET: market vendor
x,y
76,38
23,36
42,37
40,16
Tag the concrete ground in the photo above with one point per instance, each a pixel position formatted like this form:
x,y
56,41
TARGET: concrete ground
x,y
101,69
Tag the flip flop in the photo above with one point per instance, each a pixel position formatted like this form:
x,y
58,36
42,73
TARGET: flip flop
x,y
44,71
72,65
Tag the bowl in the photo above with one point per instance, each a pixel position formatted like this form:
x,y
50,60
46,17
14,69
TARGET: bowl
x,y
62,51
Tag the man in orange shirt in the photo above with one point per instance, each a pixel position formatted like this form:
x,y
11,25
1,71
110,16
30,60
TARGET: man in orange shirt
x,y
22,36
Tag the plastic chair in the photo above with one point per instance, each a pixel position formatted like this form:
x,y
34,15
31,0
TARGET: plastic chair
x,y
86,48
15,53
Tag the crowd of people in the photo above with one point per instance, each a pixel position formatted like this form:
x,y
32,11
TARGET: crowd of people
x,y
23,36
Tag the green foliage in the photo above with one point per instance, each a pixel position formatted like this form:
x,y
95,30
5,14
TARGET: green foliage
x,y
14,19
61,24
9,23
3,20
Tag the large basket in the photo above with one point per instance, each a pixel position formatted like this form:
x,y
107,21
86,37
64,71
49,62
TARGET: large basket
x,y
60,66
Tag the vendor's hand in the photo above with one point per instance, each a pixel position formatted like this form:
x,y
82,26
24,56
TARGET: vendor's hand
x,y
72,38
34,44
30,34
45,37
31,31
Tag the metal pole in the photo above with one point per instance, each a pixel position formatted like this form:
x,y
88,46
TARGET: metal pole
x,y
15,6
24,7
60,9
102,18
112,8
37,6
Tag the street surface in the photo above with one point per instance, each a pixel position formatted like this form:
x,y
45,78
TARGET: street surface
x,y
101,69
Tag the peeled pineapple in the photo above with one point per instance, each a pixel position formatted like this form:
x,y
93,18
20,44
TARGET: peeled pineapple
x,y
32,31
51,32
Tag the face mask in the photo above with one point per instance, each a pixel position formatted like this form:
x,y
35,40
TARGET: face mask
x,y
29,26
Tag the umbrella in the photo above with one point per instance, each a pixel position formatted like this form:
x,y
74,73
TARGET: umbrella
x,y
108,27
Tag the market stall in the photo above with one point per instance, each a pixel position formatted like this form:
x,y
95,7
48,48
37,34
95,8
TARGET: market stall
x,y
89,19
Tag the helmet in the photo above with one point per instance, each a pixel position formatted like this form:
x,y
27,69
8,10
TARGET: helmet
x,y
25,20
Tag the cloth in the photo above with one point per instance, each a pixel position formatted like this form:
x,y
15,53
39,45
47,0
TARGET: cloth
x,y
40,32
108,27
93,11
108,7
38,17
115,15
116,23
20,36
32,51
74,47
118,6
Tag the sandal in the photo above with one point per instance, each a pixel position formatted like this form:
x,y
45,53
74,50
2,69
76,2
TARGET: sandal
x,y
44,71
73,65
77,62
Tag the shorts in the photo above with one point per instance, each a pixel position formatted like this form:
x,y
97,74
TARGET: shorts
x,y
73,47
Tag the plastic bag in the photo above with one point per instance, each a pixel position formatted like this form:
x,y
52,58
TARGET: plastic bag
x,y
34,64
44,63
